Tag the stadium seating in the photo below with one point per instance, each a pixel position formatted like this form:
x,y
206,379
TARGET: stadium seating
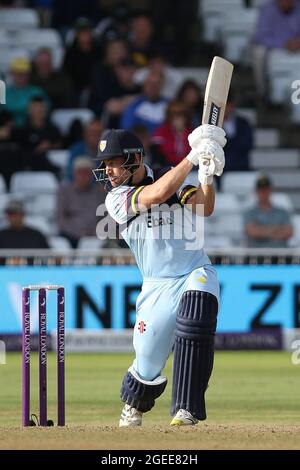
x,y
16,18
295,240
212,12
229,225
286,179
59,243
42,204
2,185
258,3
264,138
220,241
240,183
226,202
281,200
4,199
90,244
281,66
26,42
59,157
249,114
30,183
197,74
63,118
237,31
274,158
40,223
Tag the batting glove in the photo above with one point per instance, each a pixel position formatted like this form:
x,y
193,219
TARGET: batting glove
x,y
211,161
207,131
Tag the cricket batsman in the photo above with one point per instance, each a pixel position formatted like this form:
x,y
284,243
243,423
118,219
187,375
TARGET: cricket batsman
x,y
179,301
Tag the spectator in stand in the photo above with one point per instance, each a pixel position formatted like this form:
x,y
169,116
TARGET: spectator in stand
x,y
171,139
11,154
172,78
191,96
88,146
149,108
175,27
143,134
125,92
44,9
239,135
66,12
17,235
105,83
266,225
77,202
278,27
80,58
115,26
56,83
20,92
141,39
38,136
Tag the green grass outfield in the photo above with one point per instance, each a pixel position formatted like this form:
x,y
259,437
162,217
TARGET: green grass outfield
x,y
252,402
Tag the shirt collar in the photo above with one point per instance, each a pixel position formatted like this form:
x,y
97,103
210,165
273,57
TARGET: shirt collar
x,y
148,178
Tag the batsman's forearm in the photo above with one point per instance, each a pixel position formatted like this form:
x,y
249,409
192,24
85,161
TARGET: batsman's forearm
x,y
166,185
203,200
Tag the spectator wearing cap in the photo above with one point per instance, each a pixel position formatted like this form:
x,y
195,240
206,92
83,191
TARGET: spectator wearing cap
x,y
88,146
38,136
77,202
21,91
17,235
265,224
57,83
80,58
149,108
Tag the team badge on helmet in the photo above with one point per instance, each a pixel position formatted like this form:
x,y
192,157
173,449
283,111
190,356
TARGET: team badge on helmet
x,y
102,145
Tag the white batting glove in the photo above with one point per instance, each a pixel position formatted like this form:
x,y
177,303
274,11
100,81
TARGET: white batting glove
x,y
207,131
206,170
211,161
193,157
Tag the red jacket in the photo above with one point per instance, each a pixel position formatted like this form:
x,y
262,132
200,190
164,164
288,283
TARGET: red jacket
x,y
174,146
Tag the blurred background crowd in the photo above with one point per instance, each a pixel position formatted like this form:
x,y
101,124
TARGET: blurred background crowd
x,y
74,68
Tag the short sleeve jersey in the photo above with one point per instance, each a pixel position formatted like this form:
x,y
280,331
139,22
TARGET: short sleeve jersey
x,y
164,239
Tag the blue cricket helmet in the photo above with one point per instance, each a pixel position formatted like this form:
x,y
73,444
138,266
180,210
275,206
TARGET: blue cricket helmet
x,y
116,143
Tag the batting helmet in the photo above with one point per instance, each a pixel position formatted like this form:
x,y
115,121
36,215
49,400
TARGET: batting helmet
x,y
116,143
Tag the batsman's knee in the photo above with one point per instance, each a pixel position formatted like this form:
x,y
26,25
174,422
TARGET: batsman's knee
x,y
197,315
139,393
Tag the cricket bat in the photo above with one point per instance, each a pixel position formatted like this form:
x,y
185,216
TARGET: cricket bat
x,y
216,91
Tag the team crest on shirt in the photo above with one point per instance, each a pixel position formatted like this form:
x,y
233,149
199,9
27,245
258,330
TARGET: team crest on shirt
x,y
102,145
142,326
